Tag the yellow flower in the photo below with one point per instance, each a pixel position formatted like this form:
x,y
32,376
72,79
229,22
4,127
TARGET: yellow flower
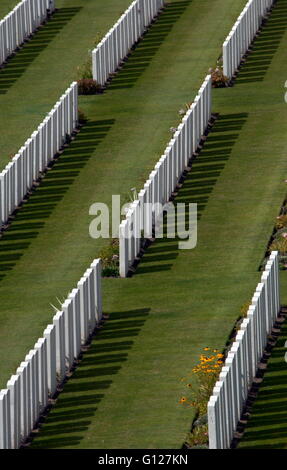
x,y
206,349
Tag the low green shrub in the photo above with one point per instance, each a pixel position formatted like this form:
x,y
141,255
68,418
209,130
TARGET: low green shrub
x,y
278,240
85,71
280,245
198,438
110,259
281,222
110,271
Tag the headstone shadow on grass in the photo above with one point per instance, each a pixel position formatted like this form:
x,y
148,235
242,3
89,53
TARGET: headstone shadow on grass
x,y
265,46
70,418
23,58
197,187
30,220
141,57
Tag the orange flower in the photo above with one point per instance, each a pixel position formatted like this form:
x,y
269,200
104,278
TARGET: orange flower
x,y
182,400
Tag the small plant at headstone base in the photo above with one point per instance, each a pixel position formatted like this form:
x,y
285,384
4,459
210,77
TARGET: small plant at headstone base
x,y
133,194
172,130
278,240
244,309
110,259
280,244
88,86
184,110
281,222
218,78
86,70
198,438
127,201
203,378
237,325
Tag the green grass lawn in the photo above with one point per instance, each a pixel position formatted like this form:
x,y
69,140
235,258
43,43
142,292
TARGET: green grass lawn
x,y
126,391
37,76
6,6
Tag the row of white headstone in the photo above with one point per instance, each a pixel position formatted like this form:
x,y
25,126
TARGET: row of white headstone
x,y
32,159
144,212
114,47
242,34
230,392
20,23
46,365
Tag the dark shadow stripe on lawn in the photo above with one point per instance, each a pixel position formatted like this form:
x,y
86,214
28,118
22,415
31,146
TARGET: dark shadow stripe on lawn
x,y
197,187
143,53
30,219
71,416
264,46
19,62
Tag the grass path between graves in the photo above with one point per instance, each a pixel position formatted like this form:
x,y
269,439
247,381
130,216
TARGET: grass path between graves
x,y
126,390
125,393
37,75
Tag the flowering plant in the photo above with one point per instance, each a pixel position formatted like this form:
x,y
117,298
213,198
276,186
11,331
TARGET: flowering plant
x,y
203,375
218,78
